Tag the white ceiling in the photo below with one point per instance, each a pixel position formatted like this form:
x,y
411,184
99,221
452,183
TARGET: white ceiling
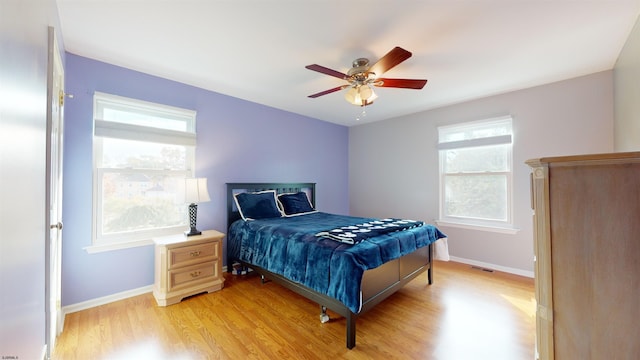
x,y
257,50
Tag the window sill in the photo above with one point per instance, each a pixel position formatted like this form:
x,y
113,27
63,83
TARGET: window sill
x,y
497,229
98,248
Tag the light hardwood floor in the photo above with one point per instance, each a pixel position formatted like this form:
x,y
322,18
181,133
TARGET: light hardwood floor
x,y
466,314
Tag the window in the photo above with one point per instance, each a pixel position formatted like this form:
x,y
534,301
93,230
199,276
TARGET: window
x,y
476,173
142,154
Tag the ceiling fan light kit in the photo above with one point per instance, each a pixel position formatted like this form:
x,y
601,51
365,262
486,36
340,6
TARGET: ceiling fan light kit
x,y
361,77
360,95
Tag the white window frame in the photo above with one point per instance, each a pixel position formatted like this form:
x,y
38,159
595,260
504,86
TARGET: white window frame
x,y
139,132
504,226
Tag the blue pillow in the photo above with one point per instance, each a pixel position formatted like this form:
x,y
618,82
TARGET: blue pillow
x,y
295,203
258,205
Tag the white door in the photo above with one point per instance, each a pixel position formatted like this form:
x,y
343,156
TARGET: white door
x,y
53,249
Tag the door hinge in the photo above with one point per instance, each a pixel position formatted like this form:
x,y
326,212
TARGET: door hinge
x,y
61,97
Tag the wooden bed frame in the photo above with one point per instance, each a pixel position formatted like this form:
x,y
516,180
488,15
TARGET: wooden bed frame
x,y
377,284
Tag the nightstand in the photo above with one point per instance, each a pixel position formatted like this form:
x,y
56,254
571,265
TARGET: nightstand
x,y
186,266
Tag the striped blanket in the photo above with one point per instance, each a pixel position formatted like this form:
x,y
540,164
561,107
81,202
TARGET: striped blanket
x,y
353,234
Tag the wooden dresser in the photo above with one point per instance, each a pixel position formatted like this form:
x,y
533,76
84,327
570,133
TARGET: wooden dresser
x,y
587,248
186,266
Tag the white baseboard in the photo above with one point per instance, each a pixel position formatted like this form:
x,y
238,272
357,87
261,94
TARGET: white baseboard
x,y
105,299
109,299
101,301
481,264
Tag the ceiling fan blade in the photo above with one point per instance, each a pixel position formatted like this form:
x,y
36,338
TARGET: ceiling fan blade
x,y
401,83
391,59
328,91
326,71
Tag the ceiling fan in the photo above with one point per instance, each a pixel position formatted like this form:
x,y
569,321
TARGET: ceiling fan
x,y
361,77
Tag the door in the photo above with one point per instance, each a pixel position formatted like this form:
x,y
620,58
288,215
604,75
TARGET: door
x,y
53,248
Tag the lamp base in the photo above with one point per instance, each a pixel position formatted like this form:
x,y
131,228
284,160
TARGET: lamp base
x,y
192,231
193,214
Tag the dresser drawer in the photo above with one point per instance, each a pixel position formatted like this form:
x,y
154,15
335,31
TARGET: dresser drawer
x,y
189,255
192,275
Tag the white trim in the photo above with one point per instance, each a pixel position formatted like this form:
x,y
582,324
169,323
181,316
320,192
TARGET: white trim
x,y
485,265
497,229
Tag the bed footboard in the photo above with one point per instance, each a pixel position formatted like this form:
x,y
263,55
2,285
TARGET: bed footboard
x,y
381,282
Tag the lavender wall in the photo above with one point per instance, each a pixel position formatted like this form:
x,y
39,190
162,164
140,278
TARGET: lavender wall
x,y
238,141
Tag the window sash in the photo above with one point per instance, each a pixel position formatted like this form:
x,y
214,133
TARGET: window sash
x,y
99,161
492,158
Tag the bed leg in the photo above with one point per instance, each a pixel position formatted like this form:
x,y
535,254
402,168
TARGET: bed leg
x,y
351,330
324,317
430,270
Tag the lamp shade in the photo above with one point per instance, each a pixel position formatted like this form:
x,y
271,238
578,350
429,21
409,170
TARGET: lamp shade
x,y
360,95
195,190
365,92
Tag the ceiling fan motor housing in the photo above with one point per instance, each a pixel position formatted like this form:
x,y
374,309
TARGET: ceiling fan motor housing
x,y
359,74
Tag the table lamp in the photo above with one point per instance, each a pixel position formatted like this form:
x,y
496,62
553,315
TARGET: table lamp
x,y
195,192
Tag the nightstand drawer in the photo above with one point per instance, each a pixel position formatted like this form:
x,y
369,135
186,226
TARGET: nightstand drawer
x,y
188,276
192,254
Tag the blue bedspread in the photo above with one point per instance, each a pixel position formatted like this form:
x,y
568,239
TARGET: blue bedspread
x,y
288,247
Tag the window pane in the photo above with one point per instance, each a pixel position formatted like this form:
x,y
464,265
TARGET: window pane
x,y
123,110
118,153
134,201
479,159
476,196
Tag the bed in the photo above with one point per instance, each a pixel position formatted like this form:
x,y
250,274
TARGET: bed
x,y
302,251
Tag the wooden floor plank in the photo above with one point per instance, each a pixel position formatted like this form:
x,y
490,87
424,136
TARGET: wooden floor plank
x,y
466,314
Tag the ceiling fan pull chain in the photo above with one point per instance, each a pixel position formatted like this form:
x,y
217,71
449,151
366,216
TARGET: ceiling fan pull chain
x,y
363,114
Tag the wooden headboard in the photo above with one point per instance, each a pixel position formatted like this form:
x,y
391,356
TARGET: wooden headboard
x,y
234,188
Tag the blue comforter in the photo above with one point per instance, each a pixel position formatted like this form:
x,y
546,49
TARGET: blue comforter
x,y
288,246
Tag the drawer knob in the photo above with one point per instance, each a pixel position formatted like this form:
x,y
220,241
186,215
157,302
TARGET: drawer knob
x,y
195,253
195,274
